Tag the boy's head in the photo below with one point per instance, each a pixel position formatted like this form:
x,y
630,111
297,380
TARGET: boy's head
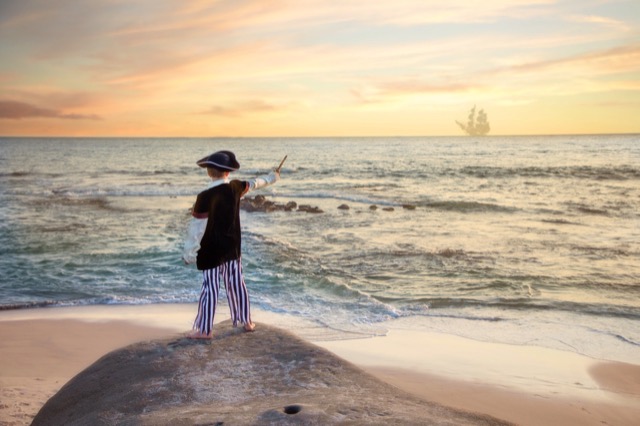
x,y
221,161
220,164
216,174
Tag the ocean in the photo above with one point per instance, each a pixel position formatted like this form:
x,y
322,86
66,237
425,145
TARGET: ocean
x,y
525,240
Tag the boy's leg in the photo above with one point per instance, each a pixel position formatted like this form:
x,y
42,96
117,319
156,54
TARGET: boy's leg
x,y
237,294
207,304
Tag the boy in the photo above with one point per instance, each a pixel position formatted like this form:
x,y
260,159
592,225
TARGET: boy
x,y
214,241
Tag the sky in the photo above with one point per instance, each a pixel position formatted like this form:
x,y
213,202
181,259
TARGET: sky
x,y
269,68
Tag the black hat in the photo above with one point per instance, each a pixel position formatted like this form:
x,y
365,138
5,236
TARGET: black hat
x,y
225,161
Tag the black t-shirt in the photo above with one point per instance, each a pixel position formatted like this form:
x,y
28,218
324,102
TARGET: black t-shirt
x,y
221,241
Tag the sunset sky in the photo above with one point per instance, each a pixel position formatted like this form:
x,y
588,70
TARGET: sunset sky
x,y
317,67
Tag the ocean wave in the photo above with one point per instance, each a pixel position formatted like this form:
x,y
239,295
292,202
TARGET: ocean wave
x,y
409,254
34,175
586,209
80,196
327,195
28,305
602,283
180,171
617,173
454,205
467,206
522,304
602,252
561,222
626,340
102,301
137,172
99,202
71,227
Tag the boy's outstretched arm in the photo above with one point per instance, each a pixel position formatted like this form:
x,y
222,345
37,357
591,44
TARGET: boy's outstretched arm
x,y
262,181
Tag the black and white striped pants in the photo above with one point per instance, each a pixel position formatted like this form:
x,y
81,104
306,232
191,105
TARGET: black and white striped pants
x,y
237,295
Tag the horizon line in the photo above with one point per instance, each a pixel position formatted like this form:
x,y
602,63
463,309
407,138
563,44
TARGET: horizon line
x,y
316,137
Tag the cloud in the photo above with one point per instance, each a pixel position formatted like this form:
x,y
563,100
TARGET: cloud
x,y
577,73
617,59
420,12
240,109
385,91
54,99
602,20
141,43
14,110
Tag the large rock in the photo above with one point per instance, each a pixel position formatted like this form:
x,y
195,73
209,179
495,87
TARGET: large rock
x,y
261,378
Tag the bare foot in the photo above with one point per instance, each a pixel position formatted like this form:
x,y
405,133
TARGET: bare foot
x,y
249,327
199,335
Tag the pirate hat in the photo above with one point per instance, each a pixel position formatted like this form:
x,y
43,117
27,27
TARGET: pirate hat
x,y
224,161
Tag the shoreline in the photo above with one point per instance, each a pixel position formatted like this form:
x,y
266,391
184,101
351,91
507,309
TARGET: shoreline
x,y
43,348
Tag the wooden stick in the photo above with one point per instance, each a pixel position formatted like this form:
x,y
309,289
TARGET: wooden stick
x,y
281,163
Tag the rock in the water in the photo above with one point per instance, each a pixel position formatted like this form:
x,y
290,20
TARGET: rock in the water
x,y
290,206
309,209
260,378
260,204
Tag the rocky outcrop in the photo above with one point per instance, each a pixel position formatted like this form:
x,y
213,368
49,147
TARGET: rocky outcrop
x,y
260,378
259,203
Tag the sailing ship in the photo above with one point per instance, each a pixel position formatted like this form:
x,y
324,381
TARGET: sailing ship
x,y
476,125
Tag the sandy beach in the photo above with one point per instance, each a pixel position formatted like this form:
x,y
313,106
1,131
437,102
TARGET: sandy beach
x,y
41,349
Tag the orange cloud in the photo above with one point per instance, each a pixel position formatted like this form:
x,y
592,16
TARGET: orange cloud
x,y
617,59
14,110
240,109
